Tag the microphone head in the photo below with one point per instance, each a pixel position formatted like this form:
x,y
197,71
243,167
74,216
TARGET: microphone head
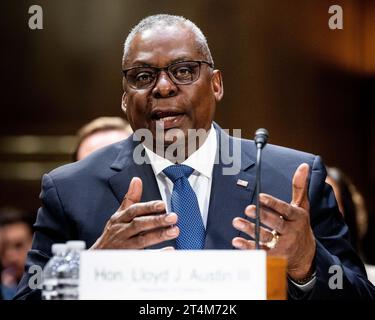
x,y
261,137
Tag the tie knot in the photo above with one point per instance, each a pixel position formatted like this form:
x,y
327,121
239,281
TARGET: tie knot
x,y
178,171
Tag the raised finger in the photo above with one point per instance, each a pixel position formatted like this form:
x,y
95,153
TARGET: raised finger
x,y
280,207
147,223
268,218
153,237
133,195
139,209
248,227
300,183
243,244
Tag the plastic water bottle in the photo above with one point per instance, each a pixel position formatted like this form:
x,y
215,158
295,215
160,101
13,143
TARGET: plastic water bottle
x,y
70,270
51,276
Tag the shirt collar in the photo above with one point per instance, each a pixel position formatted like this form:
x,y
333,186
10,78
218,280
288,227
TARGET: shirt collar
x,y
202,160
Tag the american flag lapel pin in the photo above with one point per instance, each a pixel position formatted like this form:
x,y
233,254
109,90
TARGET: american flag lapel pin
x,y
242,183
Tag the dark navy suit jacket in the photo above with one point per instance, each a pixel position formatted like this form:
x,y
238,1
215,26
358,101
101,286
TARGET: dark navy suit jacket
x,y
79,198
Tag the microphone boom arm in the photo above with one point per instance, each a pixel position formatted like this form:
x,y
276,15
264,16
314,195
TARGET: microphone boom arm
x,y
261,137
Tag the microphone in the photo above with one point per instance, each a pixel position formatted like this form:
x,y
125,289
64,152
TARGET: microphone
x,y
260,139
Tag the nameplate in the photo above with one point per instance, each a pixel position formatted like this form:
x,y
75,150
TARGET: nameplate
x,y
173,275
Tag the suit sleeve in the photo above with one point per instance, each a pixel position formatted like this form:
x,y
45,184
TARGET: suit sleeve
x,y
339,271
51,226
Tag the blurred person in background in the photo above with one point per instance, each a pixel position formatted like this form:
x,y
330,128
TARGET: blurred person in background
x,y
352,206
15,227
99,133
15,242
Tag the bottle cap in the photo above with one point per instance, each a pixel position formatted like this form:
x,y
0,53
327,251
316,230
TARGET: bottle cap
x,y
58,248
76,245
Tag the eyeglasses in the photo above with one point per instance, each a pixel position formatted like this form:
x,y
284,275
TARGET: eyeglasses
x,y
184,72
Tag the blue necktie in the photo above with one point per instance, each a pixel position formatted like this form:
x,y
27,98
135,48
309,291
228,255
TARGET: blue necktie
x,y
185,204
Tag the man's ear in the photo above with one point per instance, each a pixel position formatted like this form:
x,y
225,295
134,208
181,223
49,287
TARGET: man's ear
x,y
217,85
124,102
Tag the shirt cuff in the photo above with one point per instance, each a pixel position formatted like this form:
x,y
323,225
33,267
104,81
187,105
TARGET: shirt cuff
x,y
306,287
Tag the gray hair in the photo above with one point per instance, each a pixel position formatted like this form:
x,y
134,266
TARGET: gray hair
x,y
168,20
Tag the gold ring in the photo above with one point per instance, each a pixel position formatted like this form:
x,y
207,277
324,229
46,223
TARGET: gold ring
x,y
275,238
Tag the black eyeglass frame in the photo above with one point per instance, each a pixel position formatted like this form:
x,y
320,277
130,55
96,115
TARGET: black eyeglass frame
x,y
166,69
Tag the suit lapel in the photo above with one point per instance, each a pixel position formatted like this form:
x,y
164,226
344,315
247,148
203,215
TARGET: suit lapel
x,y
120,181
125,169
228,198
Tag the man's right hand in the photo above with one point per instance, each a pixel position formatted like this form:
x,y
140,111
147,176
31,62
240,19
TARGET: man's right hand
x,y
137,225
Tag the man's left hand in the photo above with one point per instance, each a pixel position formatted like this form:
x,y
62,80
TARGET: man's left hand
x,y
291,225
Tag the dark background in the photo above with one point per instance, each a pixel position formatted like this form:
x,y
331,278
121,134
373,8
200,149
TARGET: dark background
x,y
283,69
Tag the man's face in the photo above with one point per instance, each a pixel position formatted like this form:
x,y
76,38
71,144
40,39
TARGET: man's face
x,y
183,107
16,241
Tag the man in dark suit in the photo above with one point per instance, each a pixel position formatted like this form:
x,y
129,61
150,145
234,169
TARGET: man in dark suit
x,y
111,200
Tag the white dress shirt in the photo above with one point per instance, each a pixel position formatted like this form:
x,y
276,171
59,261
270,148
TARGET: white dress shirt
x,y
202,161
